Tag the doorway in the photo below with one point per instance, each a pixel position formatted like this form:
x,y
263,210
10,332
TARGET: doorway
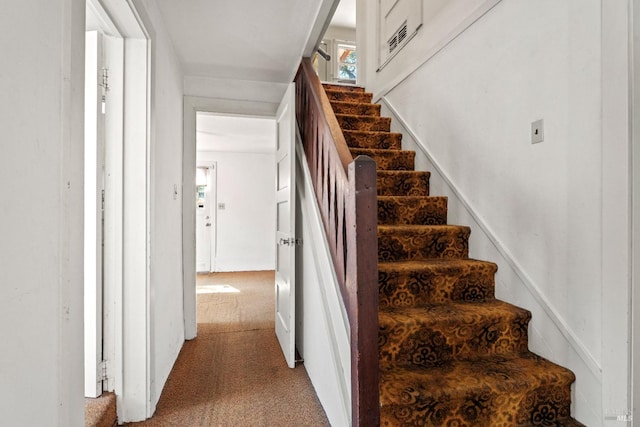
x,y
104,62
243,150
116,175
197,113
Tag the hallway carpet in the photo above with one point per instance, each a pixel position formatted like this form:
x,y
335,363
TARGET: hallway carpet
x,y
451,354
234,373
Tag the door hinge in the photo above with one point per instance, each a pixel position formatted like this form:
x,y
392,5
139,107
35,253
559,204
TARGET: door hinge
x,y
103,370
105,88
291,241
105,79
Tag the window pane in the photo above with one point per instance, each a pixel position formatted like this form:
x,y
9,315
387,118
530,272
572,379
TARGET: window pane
x,y
346,54
201,176
347,72
350,58
347,60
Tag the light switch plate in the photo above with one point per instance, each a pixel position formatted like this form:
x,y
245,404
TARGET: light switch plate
x,y
537,131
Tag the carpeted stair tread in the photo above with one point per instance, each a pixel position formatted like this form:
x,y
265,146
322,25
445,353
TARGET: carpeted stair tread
x,y
373,139
428,210
388,159
563,422
416,283
505,390
364,123
349,96
421,242
355,108
343,88
432,334
402,183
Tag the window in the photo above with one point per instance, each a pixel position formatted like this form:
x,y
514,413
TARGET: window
x,y
201,187
347,62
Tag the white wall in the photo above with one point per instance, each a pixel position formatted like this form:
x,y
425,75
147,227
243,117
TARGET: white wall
x,y
237,96
441,21
41,166
246,226
166,307
340,33
535,209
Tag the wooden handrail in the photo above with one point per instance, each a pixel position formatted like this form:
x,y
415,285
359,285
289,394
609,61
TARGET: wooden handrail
x,y
347,197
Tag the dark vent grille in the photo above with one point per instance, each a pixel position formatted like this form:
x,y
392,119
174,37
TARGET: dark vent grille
x,y
402,33
398,37
393,43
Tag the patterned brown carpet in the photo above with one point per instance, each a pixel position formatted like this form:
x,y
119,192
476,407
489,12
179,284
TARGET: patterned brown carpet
x,y
450,353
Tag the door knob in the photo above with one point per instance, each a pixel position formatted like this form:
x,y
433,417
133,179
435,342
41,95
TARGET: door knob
x,y
208,224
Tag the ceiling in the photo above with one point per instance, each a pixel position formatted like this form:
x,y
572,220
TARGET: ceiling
x,y
246,39
244,42
345,15
240,39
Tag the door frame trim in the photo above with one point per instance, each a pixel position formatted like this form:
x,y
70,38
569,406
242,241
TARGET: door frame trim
x,y
127,296
634,99
617,212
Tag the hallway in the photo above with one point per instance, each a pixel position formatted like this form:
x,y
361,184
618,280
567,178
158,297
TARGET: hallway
x,y
234,372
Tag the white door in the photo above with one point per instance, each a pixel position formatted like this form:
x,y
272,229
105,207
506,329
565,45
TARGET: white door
x,y
95,109
286,226
204,222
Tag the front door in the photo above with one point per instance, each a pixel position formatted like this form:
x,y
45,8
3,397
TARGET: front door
x,y
204,222
286,226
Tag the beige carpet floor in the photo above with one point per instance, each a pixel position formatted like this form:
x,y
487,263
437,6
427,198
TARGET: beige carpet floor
x,y
234,373
233,302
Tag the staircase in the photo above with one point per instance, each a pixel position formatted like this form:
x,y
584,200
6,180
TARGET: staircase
x,y
450,353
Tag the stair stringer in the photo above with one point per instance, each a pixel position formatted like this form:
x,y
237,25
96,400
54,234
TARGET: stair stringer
x,y
513,284
325,340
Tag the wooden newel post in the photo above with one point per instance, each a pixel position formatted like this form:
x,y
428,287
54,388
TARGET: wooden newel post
x,y
362,286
